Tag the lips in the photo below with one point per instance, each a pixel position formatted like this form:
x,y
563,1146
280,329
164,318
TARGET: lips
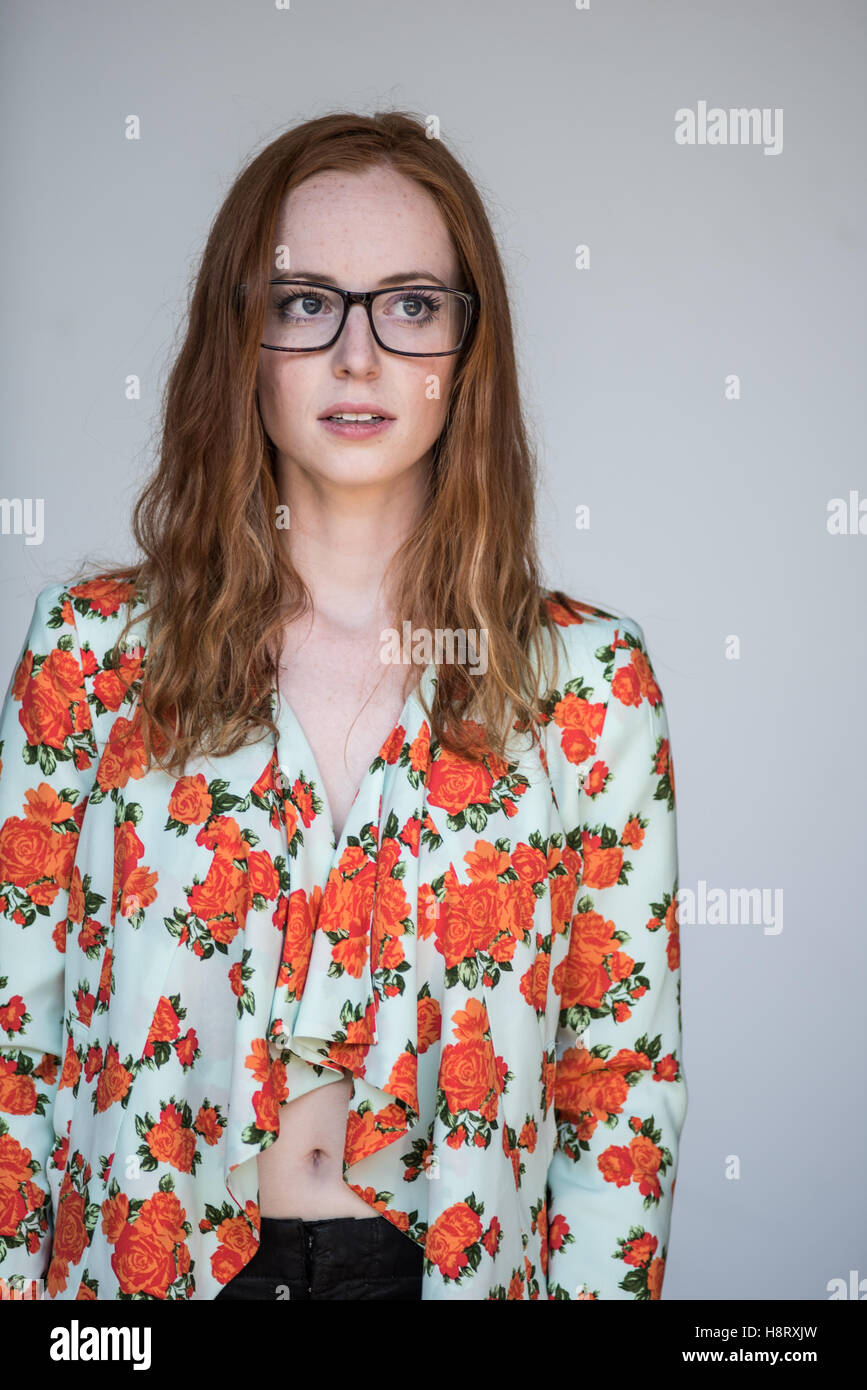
x,y
356,429
355,408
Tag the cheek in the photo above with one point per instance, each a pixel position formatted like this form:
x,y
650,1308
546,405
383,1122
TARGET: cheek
x,y
276,393
267,413
433,391
265,389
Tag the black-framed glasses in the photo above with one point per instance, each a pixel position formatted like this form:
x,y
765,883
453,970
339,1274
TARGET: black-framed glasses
x,y
412,320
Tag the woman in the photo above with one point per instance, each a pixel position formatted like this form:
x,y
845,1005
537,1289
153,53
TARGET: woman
x,y
338,854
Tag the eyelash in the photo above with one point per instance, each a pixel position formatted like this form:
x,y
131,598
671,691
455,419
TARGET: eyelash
x,y
426,297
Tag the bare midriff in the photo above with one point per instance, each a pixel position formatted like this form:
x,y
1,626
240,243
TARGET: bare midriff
x,y
301,1174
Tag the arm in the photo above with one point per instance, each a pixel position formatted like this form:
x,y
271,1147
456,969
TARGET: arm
x,y
620,1089
47,750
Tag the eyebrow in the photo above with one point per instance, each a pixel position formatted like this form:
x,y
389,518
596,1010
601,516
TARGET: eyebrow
x,y
401,277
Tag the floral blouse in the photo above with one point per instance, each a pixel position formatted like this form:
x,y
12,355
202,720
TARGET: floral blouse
x,y
489,953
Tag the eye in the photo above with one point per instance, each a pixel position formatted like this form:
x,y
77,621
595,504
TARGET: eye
x,y
301,302
422,305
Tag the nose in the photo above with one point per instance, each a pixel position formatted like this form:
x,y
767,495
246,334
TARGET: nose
x,y
356,341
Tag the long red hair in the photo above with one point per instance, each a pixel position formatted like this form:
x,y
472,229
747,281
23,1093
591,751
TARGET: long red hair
x,y
218,584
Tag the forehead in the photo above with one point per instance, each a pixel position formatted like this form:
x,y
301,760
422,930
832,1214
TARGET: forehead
x,y
364,224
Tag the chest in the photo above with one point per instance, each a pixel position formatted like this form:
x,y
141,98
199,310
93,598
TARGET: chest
x,y
347,702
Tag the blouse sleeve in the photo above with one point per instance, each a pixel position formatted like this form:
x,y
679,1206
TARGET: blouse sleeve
x,y
620,1089
46,747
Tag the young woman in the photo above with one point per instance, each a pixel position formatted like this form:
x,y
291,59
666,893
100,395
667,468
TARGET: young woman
x,y
338,855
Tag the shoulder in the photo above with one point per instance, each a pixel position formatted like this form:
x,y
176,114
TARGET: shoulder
x,y
599,647
85,647
605,701
103,604
94,609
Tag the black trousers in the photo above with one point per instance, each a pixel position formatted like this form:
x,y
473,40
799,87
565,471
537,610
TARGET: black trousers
x,y
338,1257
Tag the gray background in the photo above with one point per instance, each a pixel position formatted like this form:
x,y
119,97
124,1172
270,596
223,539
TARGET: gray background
x,y
708,516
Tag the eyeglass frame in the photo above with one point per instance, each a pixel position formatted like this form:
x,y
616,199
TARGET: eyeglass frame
x,y
366,298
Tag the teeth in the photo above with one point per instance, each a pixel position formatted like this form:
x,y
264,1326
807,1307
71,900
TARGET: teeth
x,y
346,416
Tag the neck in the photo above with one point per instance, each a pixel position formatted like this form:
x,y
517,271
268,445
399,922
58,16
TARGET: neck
x,y
341,539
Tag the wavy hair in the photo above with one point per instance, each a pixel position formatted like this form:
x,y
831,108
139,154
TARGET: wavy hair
x,y
219,585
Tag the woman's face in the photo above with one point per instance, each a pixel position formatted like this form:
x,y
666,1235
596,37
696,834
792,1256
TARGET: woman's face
x,y
357,230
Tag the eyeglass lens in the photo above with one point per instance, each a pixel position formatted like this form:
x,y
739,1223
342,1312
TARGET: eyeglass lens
x,y
421,320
